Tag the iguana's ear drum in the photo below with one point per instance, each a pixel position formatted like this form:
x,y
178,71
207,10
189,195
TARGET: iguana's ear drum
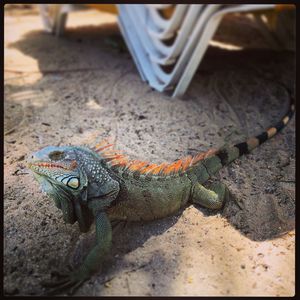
x,y
73,183
70,181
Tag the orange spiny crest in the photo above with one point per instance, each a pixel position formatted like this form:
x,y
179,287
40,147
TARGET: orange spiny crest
x,y
102,143
131,162
177,165
121,161
148,169
136,165
171,168
112,150
197,158
168,169
210,152
158,169
193,160
116,158
183,164
112,155
120,156
186,161
100,149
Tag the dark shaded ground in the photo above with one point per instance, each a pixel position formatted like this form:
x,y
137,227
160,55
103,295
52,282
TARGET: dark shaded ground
x,y
89,89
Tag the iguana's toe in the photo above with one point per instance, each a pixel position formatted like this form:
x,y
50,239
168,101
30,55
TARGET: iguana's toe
x,y
58,274
74,288
60,287
69,282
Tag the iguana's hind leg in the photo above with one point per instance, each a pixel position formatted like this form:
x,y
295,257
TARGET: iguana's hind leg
x,y
212,196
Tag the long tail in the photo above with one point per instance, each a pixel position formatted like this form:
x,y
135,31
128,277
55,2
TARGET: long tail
x,y
213,159
229,154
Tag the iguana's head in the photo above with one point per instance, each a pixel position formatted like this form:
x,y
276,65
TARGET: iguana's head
x,y
57,167
64,174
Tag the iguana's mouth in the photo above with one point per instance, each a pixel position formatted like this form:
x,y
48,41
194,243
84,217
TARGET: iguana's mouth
x,y
51,165
46,165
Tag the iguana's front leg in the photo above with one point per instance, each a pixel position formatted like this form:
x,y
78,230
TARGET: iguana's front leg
x,y
92,261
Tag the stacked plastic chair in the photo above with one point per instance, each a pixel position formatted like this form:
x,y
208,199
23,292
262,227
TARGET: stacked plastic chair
x,y
167,42
168,51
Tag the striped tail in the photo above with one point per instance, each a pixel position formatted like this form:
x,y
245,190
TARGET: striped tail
x,y
229,154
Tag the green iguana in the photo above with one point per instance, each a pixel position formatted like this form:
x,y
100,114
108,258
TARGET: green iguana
x,y
103,185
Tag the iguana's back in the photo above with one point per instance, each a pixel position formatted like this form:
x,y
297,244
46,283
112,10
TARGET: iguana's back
x,y
151,197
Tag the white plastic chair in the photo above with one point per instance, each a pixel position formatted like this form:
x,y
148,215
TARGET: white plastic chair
x,y
145,31
203,43
165,29
165,80
171,52
185,52
54,16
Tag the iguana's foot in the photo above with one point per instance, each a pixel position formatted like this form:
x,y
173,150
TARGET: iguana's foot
x,y
213,196
69,282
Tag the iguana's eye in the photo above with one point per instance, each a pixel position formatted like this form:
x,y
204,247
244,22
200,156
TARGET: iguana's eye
x,y
56,155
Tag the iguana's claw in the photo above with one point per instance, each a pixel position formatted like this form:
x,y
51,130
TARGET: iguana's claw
x,y
58,274
70,281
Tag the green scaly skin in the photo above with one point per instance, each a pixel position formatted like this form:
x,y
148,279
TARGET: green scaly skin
x,y
87,188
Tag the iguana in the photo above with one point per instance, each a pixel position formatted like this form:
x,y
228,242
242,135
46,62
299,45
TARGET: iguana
x,y
101,184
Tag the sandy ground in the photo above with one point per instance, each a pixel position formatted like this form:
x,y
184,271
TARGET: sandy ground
x,y
69,90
